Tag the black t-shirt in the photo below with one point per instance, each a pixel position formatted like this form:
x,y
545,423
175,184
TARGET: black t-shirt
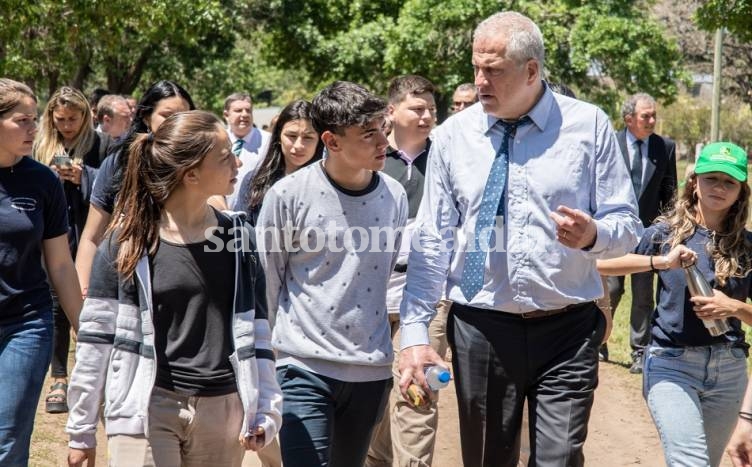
x,y
675,323
32,209
193,290
104,192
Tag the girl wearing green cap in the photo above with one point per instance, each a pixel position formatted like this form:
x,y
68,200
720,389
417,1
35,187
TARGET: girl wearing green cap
x,y
694,382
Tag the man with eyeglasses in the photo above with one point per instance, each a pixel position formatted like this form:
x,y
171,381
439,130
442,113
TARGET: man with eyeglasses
x,y
464,96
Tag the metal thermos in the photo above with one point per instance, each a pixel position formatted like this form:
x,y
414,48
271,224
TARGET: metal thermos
x,y
699,287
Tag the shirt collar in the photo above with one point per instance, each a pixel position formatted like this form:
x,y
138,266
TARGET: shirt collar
x,y
538,114
397,154
630,138
246,139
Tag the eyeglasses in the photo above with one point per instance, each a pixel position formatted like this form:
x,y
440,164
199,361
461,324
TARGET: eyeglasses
x,y
460,105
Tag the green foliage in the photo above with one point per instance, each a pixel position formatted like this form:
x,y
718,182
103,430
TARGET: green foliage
x,y
627,49
40,42
327,39
600,48
736,123
245,70
687,121
55,42
433,38
293,48
734,15
169,36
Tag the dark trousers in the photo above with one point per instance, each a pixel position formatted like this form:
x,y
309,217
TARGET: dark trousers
x,y
60,340
643,305
327,422
500,360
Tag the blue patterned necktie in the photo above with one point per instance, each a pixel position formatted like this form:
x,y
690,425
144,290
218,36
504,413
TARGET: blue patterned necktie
x,y
237,147
491,205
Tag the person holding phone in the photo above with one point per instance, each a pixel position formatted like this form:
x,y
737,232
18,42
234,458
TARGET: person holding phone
x,y
68,144
161,100
35,255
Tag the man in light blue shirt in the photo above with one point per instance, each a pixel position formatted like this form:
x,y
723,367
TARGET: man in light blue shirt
x,y
518,252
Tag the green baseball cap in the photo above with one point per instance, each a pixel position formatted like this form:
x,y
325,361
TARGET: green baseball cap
x,y
723,157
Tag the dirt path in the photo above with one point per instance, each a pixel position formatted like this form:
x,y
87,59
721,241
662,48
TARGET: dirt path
x,y
621,432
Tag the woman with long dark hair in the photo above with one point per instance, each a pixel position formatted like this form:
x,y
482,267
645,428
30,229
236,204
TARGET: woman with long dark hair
x,y
294,144
161,100
175,339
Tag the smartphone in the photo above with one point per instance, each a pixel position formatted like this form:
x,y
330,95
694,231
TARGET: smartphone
x,y
62,161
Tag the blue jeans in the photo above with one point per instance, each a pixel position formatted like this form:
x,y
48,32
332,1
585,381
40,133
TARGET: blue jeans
x,y
327,422
694,394
25,349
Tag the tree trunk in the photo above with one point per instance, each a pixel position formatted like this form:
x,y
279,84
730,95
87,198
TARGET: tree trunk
x,y
122,78
83,70
53,77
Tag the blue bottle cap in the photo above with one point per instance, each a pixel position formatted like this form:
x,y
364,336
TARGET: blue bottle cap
x,y
444,377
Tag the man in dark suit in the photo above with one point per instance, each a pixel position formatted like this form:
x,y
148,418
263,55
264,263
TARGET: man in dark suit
x,y
651,159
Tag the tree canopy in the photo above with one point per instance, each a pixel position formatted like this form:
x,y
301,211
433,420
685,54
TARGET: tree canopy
x,y
600,48
54,42
733,15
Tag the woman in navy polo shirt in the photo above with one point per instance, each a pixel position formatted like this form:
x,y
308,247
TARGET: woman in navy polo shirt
x,y
34,226
694,382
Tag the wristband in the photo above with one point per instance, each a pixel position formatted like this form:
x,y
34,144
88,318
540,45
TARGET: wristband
x,y
652,267
745,415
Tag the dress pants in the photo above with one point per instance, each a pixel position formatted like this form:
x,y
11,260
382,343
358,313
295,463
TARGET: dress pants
x,y
643,305
500,360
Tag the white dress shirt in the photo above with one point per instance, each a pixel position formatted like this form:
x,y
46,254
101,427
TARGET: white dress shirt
x,y
569,156
631,148
255,144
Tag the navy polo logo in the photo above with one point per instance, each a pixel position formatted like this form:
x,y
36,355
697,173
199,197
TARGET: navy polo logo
x,y
24,204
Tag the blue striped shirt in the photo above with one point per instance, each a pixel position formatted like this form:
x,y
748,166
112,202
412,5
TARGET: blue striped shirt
x,y
569,156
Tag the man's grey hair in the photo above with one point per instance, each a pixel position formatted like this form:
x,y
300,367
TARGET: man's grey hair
x,y
464,87
524,38
629,106
106,105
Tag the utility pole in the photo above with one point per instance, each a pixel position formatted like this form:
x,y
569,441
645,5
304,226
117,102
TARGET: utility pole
x,y
715,118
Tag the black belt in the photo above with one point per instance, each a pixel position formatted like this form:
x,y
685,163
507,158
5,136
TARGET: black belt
x,y
400,267
532,314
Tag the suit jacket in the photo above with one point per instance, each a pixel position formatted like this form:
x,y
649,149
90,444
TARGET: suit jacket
x,y
658,178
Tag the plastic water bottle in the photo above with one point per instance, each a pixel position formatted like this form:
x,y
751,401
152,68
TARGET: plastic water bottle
x,y
699,287
437,377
